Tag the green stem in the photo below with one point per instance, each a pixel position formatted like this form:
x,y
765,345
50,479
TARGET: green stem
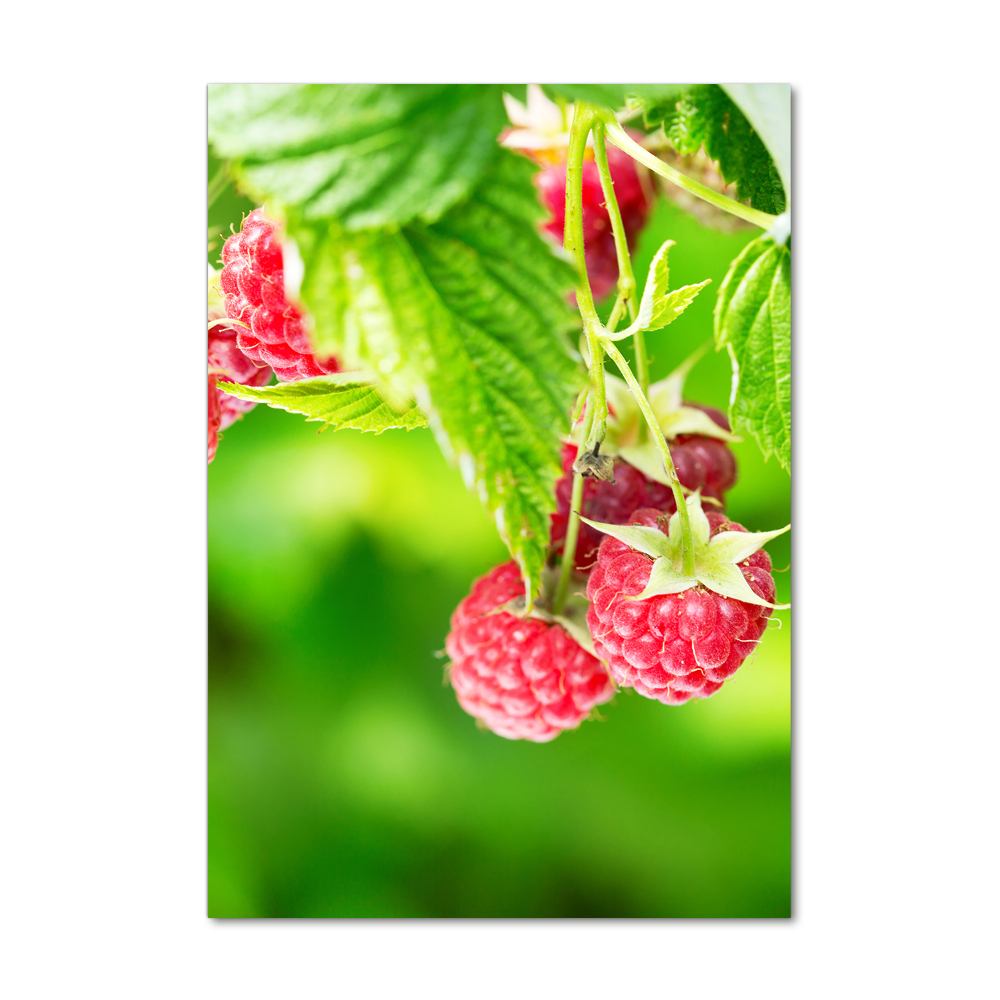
x,y
625,142
569,544
572,532
616,313
661,445
626,278
583,119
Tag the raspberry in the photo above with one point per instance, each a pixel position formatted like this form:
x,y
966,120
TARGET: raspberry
x,y
230,364
673,646
598,238
702,463
214,417
524,678
611,502
253,281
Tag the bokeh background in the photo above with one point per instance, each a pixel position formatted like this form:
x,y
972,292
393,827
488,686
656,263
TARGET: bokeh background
x,y
343,778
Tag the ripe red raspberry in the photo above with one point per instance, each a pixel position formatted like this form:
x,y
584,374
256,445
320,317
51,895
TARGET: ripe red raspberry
x,y
253,281
230,364
525,678
598,238
702,463
214,417
673,647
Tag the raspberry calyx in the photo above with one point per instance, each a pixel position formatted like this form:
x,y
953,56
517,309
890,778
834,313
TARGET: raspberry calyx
x,y
669,636
716,555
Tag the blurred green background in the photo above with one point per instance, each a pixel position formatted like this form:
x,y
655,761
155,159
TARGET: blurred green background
x,y
343,778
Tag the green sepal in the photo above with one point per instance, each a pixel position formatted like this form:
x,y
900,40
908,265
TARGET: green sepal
x,y
342,401
716,558
649,541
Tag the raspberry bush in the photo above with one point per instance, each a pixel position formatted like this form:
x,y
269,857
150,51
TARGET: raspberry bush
x,y
400,272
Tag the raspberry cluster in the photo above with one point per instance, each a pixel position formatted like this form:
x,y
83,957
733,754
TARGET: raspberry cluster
x,y
253,281
524,678
702,463
598,238
672,647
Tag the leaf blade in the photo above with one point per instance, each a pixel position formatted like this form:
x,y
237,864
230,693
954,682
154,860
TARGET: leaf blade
x,y
340,403
468,317
368,155
706,115
753,321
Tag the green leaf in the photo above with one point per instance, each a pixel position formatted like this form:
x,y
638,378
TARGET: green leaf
x,y
467,316
366,154
658,307
704,114
342,401
753,320
768,108
614,95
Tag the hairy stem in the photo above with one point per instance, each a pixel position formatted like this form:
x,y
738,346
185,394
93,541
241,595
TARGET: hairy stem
x,y
569,544
661,446
626,278
583,119
623,141
572,531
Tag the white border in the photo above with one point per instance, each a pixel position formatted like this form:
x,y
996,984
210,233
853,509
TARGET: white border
x,y
895,341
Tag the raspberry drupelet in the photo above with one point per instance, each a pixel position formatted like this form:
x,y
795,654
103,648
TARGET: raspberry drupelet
x,y
673,647
524,678
253,282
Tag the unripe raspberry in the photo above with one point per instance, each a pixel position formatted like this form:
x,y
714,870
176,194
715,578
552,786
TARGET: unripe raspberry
x,y
702,463
524,678
673,646
253,282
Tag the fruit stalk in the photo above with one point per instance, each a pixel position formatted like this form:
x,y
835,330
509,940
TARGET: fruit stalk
x,y
624,142
661,445
572,532
626,277
573,243
626,281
